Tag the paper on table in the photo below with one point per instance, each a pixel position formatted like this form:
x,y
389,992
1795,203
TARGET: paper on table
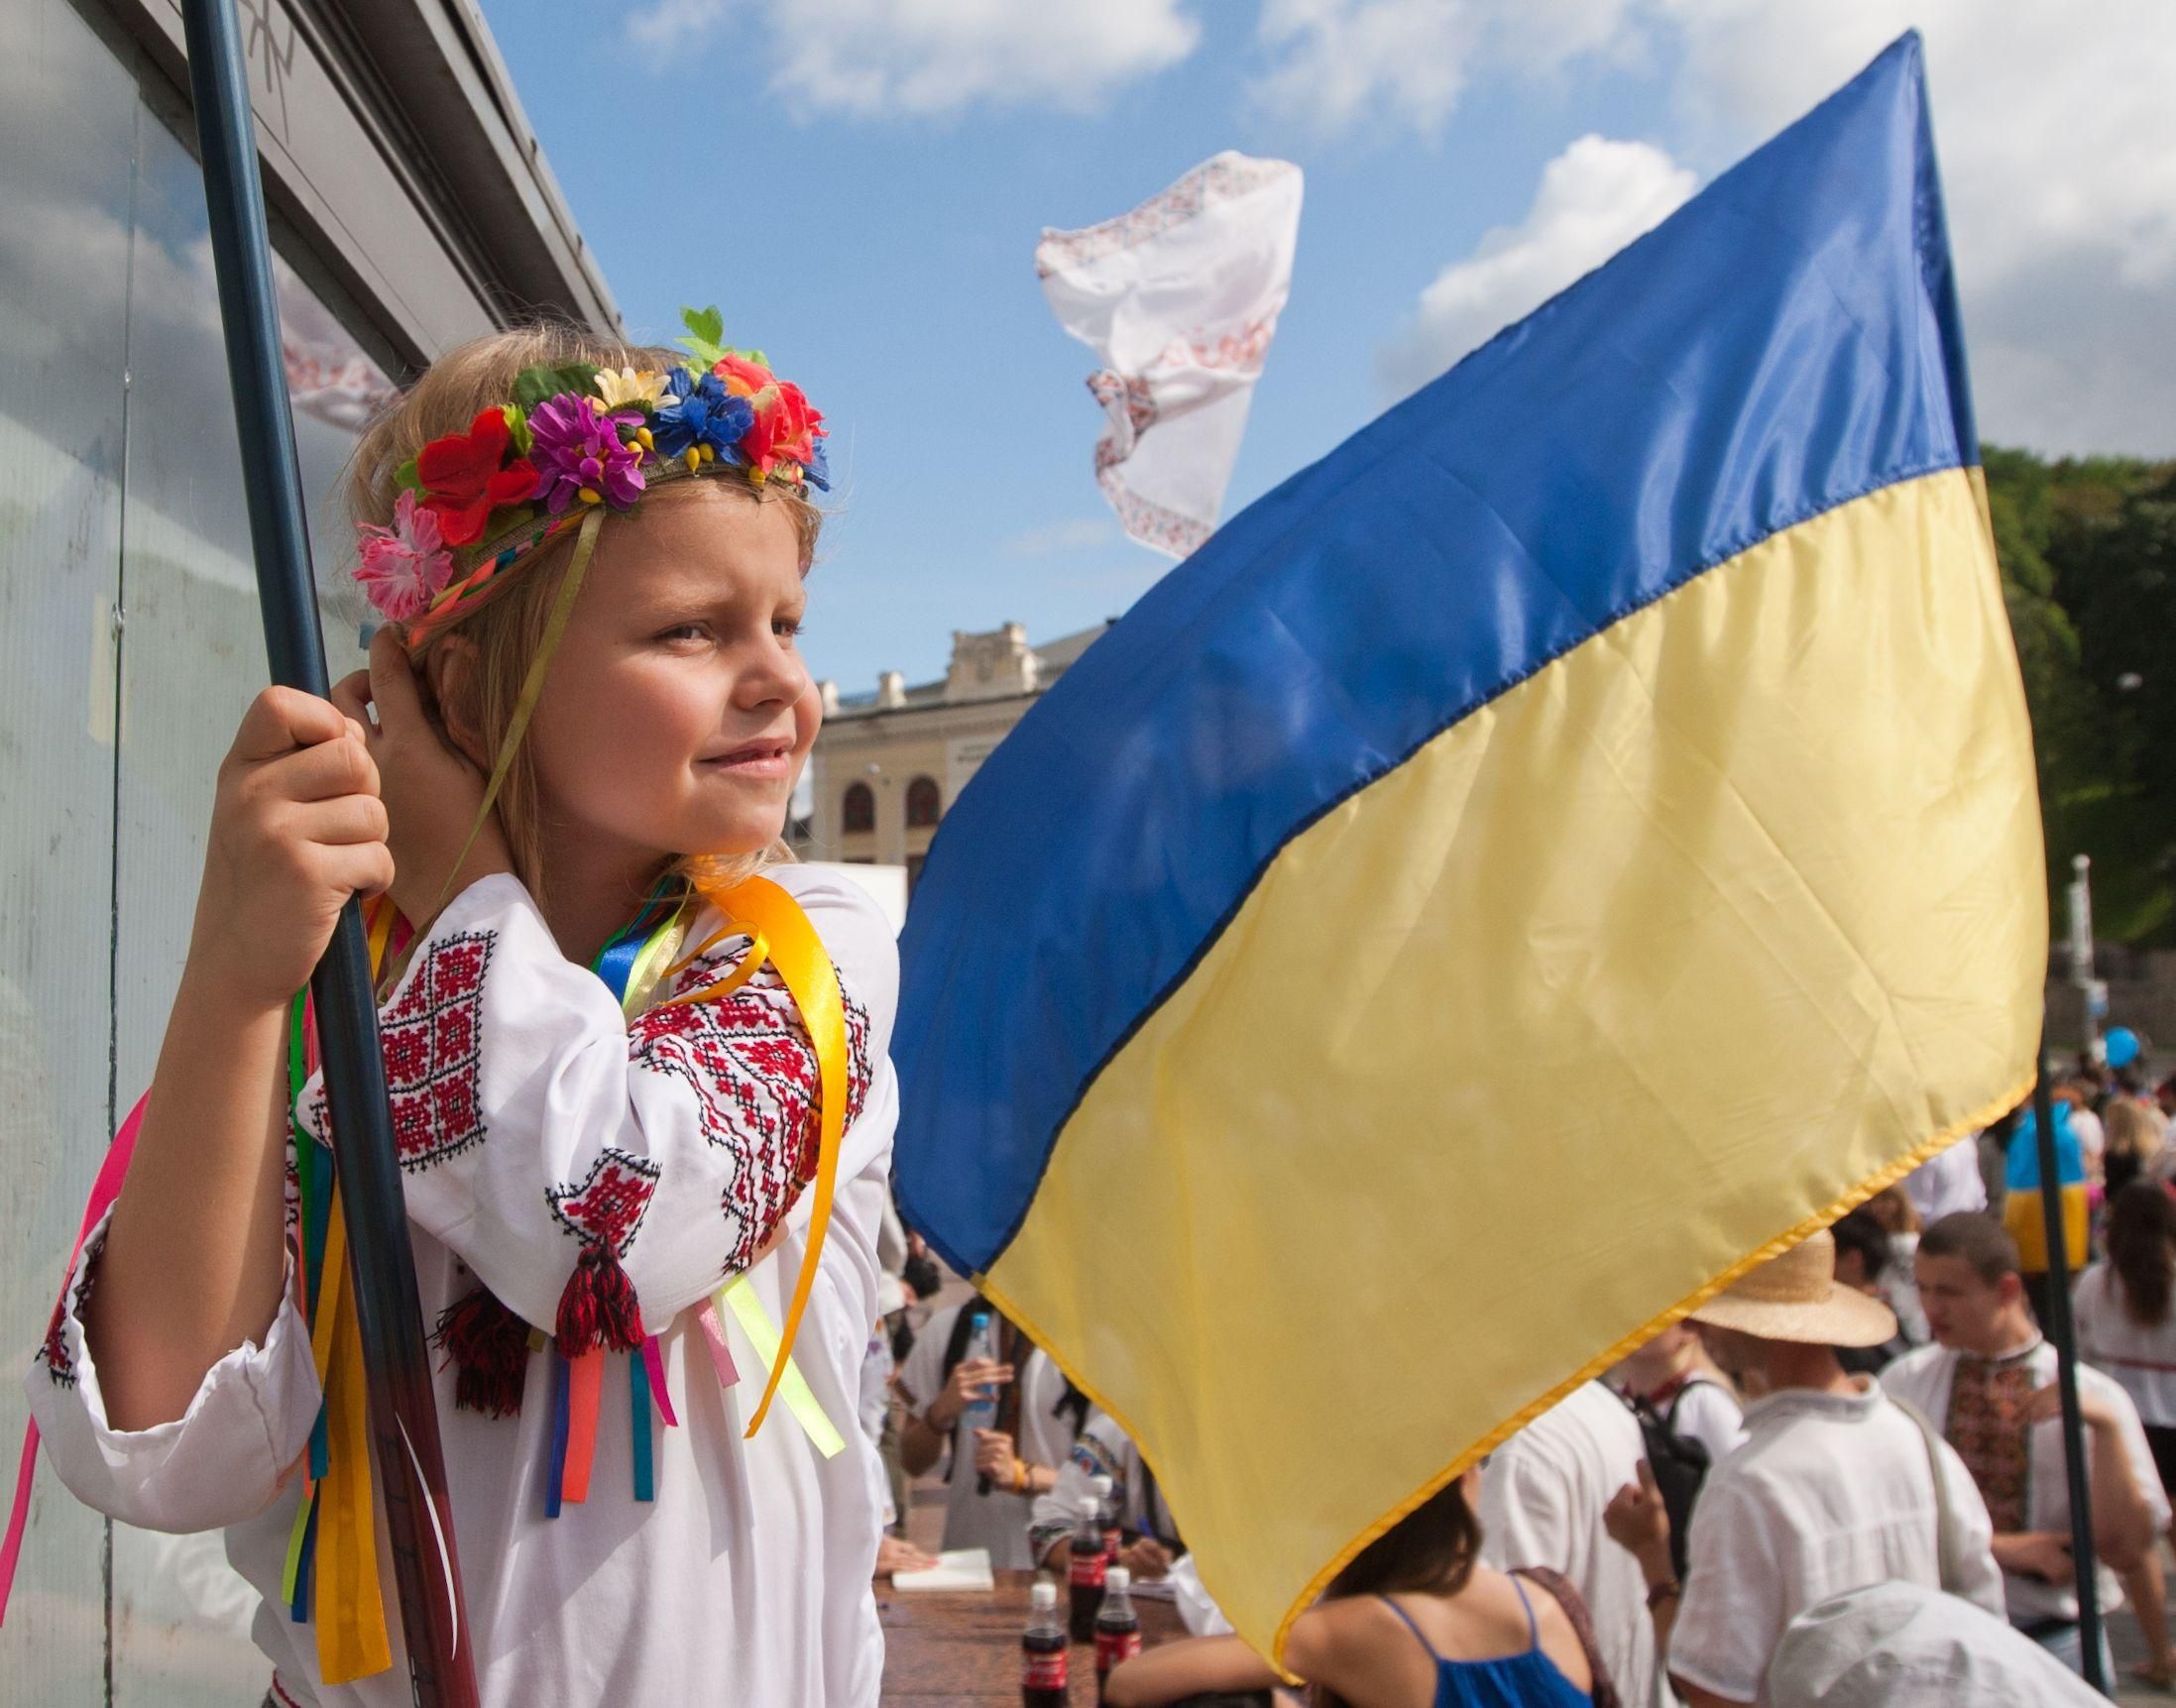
x,y
964,1568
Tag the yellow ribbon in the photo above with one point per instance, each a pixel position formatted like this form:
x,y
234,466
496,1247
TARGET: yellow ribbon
x,y
349,1610
783,930
533,690
737,1296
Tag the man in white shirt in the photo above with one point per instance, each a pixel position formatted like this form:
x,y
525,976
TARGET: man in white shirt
x,y
1948,1182
1542,1500
1987,1384
1835,1488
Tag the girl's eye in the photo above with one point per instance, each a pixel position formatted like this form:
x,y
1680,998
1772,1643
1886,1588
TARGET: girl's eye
x,y
788,628
684,631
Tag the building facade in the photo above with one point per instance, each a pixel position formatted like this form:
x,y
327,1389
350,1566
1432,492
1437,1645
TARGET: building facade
x,y
886,765
410,208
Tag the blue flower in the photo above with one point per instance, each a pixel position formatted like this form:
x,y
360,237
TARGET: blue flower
x,y
819,468
699,421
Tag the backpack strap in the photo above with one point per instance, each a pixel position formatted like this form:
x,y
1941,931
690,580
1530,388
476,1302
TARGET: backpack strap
x,y
1945,1521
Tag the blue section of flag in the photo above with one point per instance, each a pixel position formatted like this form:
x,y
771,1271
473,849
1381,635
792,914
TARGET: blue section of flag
x,y
1784,343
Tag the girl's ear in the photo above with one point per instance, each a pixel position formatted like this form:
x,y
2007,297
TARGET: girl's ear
x,y
451,674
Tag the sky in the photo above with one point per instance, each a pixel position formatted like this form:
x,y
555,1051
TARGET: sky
x,y
859,184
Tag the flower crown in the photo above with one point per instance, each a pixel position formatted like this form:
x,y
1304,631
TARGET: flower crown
x,y
573,441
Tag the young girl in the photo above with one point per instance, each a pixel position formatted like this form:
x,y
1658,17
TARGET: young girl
x,y
2125,1309
1415,1622
607,1104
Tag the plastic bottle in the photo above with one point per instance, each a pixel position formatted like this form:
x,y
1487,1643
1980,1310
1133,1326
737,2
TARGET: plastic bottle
x,y
1043,1677
1107,1515
1088,1570
1117,1627
980,1412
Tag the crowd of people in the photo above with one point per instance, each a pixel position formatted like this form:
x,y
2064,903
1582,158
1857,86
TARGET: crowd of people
x,y
1840,1480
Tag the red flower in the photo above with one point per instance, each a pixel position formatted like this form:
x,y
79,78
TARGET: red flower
x,y
463,482
743,377
786,429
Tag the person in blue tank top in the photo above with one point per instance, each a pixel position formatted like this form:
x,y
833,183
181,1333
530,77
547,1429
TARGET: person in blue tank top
x,y
1416,1621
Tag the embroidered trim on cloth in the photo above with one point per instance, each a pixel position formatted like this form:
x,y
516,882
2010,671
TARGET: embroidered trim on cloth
x,y
608,1206
54,1354
433,1048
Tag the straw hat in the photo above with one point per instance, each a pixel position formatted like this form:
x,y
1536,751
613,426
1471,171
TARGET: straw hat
x,y
1796,1297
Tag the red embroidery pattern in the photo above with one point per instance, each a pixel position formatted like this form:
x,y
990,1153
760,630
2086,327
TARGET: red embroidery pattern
x,y
1986,1427
433,1044
1227,178
53,1353
607,1208
759,1095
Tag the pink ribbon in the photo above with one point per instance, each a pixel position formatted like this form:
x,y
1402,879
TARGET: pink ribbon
x,y
714,1335
654,1363
103,1191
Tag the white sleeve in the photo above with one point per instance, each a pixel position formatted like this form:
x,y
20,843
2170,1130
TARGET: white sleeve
x,y
222,1461
1708,1415
2085,1310
1099,1451
1525,1513
543,1135
2143,1472
1732,1614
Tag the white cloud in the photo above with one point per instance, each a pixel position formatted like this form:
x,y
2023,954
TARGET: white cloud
x,y
2058,137
933,57
1594,198
1335,64
1076,534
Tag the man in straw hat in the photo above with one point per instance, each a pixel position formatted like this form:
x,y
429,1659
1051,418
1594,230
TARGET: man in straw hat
x,y
1836,1487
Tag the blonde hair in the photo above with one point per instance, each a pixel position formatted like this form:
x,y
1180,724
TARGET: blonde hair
x,y
2131,1131
505,626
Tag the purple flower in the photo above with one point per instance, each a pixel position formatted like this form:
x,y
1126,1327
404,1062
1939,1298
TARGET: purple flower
x,y
579,454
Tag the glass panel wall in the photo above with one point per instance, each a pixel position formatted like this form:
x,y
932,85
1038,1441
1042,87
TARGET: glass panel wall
x,y
129,645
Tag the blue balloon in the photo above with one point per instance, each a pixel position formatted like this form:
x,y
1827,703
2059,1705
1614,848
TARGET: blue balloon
x,y
2122,1046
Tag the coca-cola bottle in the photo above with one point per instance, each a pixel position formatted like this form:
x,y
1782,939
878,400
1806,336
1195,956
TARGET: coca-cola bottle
x,y
1088,1567
1108,1515
1117,1627
1043,1677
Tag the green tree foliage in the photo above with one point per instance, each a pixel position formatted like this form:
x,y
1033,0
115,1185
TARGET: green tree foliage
x,y
2087,551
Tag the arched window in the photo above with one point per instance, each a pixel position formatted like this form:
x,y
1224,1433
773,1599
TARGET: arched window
x,y
924,805
858,811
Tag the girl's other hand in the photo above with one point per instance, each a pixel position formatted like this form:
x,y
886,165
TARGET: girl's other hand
x,y
296,828
970,1377
432,793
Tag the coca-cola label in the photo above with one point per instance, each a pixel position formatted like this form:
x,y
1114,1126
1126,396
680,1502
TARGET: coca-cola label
x,y
1112,1542
1046,1672
1088,1568
1112,1646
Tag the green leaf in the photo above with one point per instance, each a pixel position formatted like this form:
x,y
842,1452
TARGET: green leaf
x,y
706,353
706,324
407,477
517,428
541,384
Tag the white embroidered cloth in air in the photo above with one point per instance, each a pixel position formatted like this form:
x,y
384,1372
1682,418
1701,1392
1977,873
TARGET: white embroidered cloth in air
x,y
1180,299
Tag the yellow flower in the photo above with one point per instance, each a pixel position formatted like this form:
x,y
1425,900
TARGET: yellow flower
x,y
624,387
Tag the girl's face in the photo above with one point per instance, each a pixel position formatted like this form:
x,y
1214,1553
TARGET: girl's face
x,y
678,712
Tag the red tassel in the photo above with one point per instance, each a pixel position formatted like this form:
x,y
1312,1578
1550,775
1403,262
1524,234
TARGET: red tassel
x,y
490,1350
599,1308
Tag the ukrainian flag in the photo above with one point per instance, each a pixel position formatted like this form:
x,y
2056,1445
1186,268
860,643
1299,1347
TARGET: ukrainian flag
x,y
1541,861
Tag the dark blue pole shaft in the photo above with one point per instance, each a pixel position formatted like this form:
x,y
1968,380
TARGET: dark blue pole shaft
x,y
2063,1334
404,1417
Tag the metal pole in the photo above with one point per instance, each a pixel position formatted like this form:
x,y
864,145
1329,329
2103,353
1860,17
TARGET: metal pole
x,y
2059,1330
404,1417
2092,992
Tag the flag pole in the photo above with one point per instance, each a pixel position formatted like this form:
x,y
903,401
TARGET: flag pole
x,y
2061,1331
403,1419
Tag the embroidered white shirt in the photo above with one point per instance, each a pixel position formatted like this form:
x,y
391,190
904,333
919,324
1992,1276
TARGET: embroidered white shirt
x,y
1923,1378
754,1564
2142,1357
